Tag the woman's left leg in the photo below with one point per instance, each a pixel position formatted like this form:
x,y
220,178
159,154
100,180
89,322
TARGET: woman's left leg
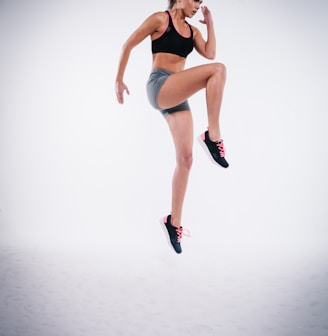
x,y
181,127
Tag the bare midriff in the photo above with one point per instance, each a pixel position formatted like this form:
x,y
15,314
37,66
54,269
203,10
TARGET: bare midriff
x,y
170,62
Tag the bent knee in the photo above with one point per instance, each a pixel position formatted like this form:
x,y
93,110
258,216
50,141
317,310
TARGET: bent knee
x,y
185,160
219,68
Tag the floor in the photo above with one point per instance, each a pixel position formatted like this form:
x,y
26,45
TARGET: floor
x,y
98,287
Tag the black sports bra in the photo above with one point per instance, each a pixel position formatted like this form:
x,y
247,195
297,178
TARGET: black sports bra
x,y
173,42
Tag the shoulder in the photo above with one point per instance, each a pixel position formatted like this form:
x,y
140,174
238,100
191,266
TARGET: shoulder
x,y
158,17
195,31
157,21
152,23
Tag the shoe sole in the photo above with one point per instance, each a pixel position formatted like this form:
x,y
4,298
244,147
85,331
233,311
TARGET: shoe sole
x,y
207,152
168,240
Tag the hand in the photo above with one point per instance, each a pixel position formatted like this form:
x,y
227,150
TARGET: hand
x,y
207,15
120,87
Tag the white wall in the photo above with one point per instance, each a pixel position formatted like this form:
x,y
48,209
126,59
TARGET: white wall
x,y
72,159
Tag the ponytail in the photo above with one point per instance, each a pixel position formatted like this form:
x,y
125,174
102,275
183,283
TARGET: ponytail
x,y
171,3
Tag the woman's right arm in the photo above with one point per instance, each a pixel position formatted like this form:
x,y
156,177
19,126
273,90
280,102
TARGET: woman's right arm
x,y
148,27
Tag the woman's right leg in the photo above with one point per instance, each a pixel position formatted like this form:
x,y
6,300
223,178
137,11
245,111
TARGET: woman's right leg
x,y
181,127
209,76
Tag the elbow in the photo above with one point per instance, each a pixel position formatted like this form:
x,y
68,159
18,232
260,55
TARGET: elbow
x,y
211,56
126,47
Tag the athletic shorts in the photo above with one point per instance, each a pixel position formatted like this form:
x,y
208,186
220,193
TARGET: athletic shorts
x,y
154,84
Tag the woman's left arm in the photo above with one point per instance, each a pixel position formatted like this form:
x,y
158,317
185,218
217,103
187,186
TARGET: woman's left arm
x,y
206,48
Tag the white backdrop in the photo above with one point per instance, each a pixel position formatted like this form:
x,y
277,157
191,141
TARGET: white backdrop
x,y
78,168
72,158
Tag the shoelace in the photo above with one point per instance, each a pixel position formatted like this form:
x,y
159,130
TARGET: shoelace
x,y
182,232
221,148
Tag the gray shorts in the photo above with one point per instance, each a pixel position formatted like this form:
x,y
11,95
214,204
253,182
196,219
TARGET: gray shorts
x,y
155,82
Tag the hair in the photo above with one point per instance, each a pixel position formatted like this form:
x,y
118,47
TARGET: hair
x,y
171,3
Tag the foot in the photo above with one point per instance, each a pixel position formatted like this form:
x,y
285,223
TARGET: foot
x,y
174,234
215,149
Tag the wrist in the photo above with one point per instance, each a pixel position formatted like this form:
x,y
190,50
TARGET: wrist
x,y
209,23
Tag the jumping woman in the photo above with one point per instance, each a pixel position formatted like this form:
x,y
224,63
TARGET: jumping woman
x,y
170,85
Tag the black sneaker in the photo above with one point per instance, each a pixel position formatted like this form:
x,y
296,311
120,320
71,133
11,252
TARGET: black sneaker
x,y
174,234
214,149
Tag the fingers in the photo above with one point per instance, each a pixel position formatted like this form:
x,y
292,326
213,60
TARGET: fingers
x,y
120,99
120,88
127,91
204,9
207,15
119,94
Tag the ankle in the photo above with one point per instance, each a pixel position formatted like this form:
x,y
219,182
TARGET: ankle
x,y
214,136
175,222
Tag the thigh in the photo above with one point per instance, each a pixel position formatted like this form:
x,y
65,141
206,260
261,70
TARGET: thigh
x,y
181,127
188,82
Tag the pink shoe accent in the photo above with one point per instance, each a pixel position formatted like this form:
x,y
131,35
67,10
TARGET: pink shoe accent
x,y
221,148
182,232
202,136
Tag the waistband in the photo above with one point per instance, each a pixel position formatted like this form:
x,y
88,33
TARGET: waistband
x,y
161,71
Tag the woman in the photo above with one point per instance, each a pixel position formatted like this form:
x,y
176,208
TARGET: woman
x,y
169,86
